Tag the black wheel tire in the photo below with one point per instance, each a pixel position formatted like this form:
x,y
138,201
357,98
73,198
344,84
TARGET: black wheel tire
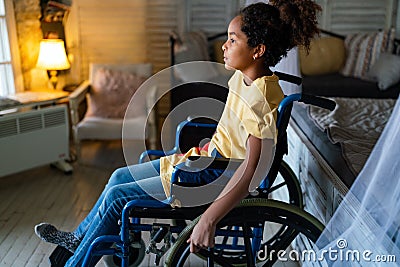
x,y
136,256
294,219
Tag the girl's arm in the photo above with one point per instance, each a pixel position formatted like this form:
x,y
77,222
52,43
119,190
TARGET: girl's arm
x,y
256,164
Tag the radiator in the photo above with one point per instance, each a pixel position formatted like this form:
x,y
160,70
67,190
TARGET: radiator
x,y
33,138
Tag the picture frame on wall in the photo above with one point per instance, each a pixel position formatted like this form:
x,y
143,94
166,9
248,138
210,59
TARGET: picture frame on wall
x,y
53,17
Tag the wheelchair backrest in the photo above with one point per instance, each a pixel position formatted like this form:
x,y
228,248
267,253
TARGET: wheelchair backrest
x,y
281,145
190,135
204,102
193,136
196,134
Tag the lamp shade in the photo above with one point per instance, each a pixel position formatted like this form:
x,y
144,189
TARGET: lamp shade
x,y
52,55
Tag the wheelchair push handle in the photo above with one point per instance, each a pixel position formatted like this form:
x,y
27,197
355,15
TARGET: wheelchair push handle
x,y
318,101
288,77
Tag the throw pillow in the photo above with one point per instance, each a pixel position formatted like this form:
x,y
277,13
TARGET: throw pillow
x,y
363,49
111,93
386,70
326,55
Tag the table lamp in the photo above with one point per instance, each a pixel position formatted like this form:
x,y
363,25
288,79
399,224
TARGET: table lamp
x,y
52,57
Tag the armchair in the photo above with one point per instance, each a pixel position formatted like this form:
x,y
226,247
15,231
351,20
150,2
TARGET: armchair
x,y
108,92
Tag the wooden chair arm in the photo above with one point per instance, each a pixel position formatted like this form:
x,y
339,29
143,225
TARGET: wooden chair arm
x,y
75,98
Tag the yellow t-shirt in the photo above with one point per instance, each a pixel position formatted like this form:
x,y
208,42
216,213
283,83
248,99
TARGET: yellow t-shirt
x,y
249,110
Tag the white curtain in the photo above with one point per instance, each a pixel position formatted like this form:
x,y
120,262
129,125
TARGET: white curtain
x,y
289,64
367,222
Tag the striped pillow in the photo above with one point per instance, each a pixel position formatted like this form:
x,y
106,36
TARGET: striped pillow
x,y
364,49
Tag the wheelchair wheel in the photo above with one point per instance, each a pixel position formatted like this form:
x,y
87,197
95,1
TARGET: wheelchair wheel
x,y
251,213
136,256
287,187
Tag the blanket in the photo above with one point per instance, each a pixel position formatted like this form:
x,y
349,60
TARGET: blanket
x,y
356,124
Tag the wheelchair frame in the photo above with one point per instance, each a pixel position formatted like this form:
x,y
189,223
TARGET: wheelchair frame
x,y
248,213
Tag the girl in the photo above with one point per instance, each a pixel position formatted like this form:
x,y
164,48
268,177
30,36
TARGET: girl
x,y
257,39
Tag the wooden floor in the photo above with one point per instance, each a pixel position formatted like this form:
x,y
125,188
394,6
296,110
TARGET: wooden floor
x,y
45,194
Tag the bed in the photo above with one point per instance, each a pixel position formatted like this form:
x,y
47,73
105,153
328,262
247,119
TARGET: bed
x,y
324,171
326,149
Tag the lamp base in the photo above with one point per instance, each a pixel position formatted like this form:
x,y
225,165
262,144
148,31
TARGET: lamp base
x,y
53,78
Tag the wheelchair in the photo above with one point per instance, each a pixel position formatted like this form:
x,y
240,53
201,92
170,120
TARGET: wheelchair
x,y
259,224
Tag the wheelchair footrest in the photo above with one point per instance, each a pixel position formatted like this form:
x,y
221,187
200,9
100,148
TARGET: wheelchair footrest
x,y
59,257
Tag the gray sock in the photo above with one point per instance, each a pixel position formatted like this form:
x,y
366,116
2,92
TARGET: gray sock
x,y
49,233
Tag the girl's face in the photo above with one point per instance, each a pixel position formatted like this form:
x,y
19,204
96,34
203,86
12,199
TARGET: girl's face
x,y
237,54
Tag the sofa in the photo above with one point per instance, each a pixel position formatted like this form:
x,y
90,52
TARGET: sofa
x,y
358,65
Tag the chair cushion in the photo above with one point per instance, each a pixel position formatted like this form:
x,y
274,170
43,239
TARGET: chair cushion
x,y
111,129
111,92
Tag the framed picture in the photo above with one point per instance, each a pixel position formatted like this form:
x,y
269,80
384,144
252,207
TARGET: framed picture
x,y
54,15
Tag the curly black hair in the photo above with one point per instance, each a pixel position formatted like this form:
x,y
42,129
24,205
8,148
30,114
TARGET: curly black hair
x,y
280,26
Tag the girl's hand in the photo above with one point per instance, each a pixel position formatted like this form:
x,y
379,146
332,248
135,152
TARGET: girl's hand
x,y
202,236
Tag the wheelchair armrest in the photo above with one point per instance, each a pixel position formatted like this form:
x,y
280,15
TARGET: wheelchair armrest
x,y
187,184
193,173
157,153
197,164
202,121
212,163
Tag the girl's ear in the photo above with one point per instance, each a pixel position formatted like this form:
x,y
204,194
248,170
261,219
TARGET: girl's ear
x,y
259,50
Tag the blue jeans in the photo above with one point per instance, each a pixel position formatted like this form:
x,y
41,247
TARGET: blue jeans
x,y
122,187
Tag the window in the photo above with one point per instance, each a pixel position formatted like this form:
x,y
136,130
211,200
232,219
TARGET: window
x,y
7,85
351,16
